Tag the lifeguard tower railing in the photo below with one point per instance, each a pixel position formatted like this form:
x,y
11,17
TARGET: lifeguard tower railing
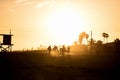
x,y
6,45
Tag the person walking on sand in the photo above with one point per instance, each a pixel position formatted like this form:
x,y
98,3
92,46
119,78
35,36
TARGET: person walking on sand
x,y
49,50
55,49
63,50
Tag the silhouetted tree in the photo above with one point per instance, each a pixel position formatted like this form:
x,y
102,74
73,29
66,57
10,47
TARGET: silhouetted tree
x,y
117,45
83,37
98,46
80,39
104,34
105,37
87,36
99,42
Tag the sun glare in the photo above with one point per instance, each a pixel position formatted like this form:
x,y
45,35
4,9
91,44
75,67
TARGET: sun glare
x,y
65,23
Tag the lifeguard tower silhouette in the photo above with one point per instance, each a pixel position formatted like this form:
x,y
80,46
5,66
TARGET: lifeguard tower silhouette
x,y
6,45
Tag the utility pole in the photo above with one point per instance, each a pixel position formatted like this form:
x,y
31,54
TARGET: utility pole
x,y
91,45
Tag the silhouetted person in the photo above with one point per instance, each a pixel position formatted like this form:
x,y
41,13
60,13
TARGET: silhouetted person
x,y
55,48
62,50
49,50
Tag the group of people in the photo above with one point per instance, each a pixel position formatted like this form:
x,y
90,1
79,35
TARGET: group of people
x,y
61,51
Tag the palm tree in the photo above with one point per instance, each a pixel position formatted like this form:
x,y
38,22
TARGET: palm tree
x,y
80,39
107,35
83,38
104,35
87,36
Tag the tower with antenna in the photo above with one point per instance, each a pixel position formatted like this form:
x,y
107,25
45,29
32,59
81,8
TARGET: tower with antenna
x,y
91,45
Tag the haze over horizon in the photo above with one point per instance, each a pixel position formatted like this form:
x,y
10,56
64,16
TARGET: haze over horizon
x,y
48,22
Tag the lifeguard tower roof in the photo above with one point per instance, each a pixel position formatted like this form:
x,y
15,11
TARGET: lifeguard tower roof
x,y
6,34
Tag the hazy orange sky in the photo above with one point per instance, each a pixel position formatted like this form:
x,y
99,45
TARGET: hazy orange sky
x,y
48,22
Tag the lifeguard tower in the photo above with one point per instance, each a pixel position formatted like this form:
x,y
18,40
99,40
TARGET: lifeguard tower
x,y
6,45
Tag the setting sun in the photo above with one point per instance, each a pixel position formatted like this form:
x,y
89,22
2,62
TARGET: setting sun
x,y
65,23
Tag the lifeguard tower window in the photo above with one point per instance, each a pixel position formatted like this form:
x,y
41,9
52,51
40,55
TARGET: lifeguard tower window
x,y
6,39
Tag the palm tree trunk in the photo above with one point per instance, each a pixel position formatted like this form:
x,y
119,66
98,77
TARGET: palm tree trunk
x,y
106,40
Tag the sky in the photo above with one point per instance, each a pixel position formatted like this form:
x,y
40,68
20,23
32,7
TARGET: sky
x,y
57,22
